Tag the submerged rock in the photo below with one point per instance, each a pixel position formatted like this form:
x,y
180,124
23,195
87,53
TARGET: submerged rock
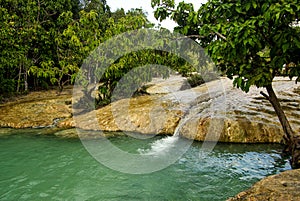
x,y
283,186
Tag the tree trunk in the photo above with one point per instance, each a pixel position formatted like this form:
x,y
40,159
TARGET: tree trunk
x,y
292,141
19,78
25,81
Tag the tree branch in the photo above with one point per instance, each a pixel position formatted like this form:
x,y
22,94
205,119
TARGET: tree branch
x,y
265,95
221,36
199,36
164,5
191,36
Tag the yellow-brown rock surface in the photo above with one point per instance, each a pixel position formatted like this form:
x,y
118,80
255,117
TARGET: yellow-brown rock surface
x,y
37,109
281,187
246,118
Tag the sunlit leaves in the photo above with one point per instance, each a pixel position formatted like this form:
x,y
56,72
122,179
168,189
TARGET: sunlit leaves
x,y
249,40
27,44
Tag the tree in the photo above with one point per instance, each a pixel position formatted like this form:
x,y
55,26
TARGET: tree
x,y
73,39
116,25
250,41
16,50
47,64
27,40
119,23
134,19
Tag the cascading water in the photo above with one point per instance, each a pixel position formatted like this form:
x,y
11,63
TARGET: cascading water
x,y
197,105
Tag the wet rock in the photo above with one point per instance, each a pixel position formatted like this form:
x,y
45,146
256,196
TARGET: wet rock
x,y
240,130
281,187
66,123
85,134
67,133
28,131
202,113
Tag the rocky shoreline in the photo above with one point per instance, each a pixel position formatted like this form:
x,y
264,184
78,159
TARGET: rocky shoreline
x,y
239,117
281,187
37,110
243,118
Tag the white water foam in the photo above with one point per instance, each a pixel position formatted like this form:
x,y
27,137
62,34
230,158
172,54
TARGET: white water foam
x,y
202,104
165,145
160,146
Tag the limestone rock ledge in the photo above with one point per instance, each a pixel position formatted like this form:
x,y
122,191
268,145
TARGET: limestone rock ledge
x,y
200,113
281,187
144,114
37,110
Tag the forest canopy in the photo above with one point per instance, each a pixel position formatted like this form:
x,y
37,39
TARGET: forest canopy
x,y
43,43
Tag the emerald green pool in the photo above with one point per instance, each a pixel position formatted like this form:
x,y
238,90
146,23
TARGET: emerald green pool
x,y
37,167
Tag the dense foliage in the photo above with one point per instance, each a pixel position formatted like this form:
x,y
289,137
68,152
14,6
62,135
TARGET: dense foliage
x,y
251,40
28,30
137,57
44,43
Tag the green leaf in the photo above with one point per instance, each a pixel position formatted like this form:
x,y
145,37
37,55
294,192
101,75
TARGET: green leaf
x,y
248,5
238,9
285,47
297,43
195,19
277,16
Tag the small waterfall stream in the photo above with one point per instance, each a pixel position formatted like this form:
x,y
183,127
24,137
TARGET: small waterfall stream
x,y
163,145
209,103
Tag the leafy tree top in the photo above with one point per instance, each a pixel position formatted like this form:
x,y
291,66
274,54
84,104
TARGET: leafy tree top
x,y
251,41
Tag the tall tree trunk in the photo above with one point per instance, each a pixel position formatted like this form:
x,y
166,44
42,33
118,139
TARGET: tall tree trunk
x,y
292,141
25,80
288,131
19,78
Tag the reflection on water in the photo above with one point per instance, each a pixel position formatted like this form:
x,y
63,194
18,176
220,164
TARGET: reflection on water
x,y
48,168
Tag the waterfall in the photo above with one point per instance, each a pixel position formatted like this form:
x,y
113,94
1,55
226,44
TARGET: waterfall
x,y
197,104
167,144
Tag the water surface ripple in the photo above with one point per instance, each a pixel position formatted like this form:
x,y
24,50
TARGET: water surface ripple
x,y
47,168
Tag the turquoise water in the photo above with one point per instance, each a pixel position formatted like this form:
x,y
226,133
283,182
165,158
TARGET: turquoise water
x,y
35,167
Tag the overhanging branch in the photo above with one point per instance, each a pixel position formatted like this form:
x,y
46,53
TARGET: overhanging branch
x,y
265,95
191,36
199,36
221,36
